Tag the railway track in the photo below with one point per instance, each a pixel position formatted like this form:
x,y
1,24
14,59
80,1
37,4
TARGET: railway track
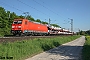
x,y
13,39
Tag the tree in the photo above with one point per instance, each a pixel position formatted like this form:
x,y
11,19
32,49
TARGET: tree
x,y
38,20
44,22
21,16
55,25
88,32
6,19
30,18
2,17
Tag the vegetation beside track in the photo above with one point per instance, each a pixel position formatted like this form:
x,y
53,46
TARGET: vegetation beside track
x,y
86,49
23,49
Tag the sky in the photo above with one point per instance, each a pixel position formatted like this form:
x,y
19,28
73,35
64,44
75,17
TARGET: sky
x,y
58,11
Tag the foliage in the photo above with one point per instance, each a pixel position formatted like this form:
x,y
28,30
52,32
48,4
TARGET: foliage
x,y
6,19
21,16
88,32
83,32
55,25
86,49
44,22
30,18
21,49
38,20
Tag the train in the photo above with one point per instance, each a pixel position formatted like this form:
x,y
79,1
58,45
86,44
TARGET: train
x,y
28,27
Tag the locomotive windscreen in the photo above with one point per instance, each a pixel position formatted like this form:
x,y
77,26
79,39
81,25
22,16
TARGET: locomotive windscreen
x,y
17,22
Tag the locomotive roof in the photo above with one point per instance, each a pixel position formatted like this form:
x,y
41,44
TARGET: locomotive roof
x,y
29,21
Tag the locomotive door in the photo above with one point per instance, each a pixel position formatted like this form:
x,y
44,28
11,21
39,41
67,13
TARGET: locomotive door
x,y
26,25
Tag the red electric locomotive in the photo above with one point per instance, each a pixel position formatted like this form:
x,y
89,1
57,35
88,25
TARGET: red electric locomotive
x,y
24,26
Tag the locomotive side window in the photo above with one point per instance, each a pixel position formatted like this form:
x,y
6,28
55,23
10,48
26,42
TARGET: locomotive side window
x,y
25,22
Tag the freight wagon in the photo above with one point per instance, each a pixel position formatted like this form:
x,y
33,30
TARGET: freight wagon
x,y
27,27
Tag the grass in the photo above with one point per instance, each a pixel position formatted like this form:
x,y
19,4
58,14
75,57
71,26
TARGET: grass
x,y
86,49
22,49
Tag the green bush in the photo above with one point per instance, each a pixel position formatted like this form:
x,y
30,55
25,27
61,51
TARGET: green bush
x,y
86,49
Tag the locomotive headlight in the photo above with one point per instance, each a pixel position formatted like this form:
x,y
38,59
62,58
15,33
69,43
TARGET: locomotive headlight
x,y
13,26
19,26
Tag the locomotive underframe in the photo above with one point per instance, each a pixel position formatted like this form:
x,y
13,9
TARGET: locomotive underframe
x,y
19,32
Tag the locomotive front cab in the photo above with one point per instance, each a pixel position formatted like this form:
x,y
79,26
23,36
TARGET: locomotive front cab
x,y
16,27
